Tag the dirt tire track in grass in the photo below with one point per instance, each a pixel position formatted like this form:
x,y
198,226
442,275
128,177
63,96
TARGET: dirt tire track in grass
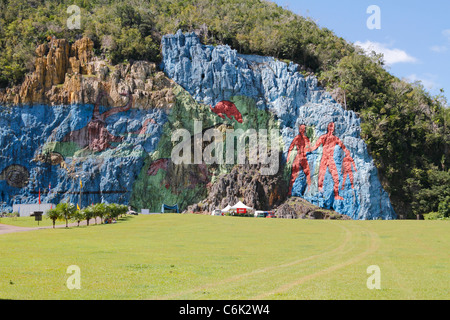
x,y
339,249
373,247
4,228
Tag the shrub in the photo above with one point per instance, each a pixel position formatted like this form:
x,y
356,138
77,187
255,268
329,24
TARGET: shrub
x,y
54,214
444,207
434,216
88,213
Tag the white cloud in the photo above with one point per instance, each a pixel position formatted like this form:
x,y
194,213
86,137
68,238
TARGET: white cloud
x,y
428,80
446,33
442,48
391,56
439,49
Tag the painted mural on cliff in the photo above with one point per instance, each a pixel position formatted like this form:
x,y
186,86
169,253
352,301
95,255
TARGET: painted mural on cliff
x,y
331,167
162,181
43,146
328,142
121,154
124,154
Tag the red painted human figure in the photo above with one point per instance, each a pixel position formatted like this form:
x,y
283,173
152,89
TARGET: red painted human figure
x,y
329,142
347,164
302,143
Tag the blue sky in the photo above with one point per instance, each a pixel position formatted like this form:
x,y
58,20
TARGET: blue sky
x,y
414,35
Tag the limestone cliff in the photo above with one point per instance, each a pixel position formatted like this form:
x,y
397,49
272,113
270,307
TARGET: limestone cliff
x,y
326,159
244,183
78,118
71,74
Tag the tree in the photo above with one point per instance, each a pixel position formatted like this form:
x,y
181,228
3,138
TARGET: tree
x,y
444,207
123,209
116,210
78,216
54,214
128,16
100,210
130,44
67,211
88,213
113,210
431,191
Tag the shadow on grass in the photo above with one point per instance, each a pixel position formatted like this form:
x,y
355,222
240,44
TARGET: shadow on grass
x,y
125,218
92,223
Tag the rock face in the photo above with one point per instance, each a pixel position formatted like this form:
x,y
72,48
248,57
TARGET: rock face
x,y
329,163
70,74
244,182
36,157
53,60
298,208
79,118
112,127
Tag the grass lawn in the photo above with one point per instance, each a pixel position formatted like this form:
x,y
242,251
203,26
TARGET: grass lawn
x,y
175,256
29,222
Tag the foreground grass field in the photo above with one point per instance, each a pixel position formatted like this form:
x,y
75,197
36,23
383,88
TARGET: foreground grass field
x,y
30,222
174,256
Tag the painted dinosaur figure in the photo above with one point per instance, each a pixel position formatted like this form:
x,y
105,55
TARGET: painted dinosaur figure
x,y
144,127
227,108
95,136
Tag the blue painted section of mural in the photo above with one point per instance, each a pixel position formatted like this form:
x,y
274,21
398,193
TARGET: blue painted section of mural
x,y
215,73
34,155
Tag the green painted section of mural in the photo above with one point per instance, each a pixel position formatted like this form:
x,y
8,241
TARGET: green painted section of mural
x,y
160,181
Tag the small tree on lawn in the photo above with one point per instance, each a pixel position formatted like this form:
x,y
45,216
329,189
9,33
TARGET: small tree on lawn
x,y
112,210
444,208
67,211
123,209
115,210
78,216
88,213
54,214
100,211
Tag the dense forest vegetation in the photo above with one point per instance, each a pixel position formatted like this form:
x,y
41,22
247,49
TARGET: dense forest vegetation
x,y
406,128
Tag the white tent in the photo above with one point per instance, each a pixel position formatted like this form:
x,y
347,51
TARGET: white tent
x,y
240,205
228,207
